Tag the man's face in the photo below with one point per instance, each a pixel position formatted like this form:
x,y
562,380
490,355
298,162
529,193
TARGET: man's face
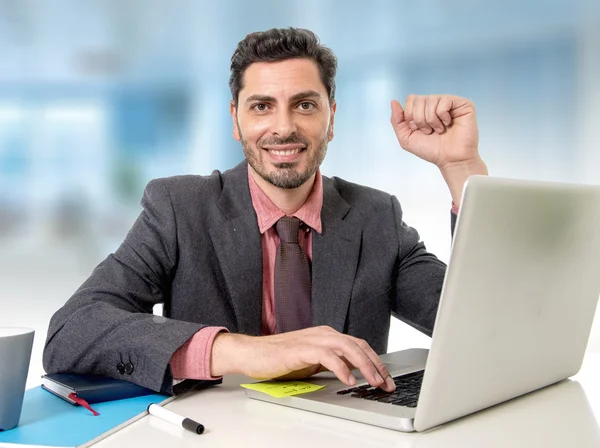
x,y
284,120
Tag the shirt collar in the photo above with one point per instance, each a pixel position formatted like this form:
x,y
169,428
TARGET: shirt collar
x,y
268,213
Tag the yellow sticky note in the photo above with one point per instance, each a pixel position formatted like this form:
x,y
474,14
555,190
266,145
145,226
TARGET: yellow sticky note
x,y
280,389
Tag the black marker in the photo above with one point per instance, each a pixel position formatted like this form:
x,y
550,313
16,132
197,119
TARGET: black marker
x,y
176,419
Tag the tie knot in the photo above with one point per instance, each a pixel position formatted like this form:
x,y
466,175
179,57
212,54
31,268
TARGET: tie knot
x,y
287,229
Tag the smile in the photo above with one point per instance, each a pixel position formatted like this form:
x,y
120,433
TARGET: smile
x,y
281,152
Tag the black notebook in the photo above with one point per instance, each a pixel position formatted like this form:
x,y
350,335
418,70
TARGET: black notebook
x,y
91,388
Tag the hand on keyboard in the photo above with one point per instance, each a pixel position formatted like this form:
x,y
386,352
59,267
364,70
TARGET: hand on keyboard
x,y
299,354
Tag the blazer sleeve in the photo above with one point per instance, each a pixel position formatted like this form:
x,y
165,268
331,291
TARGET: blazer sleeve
x,y
420,276
107,326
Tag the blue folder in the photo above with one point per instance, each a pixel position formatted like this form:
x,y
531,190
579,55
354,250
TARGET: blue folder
x,y
50,421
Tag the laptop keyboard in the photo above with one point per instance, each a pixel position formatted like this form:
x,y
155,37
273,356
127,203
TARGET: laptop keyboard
x,y
406,393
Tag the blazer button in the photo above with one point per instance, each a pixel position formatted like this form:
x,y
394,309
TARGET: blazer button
x,y
121,368
128,368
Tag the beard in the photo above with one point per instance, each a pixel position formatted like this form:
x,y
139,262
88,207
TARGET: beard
x,y
285,175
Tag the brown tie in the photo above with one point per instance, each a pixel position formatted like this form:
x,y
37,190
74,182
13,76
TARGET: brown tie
x,y
292,279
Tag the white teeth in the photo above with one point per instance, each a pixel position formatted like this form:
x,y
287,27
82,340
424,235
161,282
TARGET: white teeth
x,y
284,153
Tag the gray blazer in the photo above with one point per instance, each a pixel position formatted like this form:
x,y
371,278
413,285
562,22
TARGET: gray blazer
x,y
196,248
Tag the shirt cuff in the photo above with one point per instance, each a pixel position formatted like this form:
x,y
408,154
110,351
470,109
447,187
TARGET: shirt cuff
x,y
454,208
192,360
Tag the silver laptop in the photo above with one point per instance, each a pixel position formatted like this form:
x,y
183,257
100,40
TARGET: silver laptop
x,y
515,314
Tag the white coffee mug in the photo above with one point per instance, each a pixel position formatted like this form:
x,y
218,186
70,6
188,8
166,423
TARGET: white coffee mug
x,y
15,353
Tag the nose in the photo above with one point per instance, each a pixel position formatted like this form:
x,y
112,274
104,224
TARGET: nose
x,y
284,123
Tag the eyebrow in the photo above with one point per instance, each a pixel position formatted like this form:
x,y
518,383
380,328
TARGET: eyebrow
x,y
298,96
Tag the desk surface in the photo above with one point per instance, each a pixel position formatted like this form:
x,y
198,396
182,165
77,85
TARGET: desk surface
x,y
562,415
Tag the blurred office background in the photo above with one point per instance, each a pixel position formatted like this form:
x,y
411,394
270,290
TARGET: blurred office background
x,y
99,97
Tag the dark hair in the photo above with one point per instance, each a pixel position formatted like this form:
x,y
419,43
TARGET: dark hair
x,y
278,44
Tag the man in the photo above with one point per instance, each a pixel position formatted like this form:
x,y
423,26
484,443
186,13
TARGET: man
x,y
269,269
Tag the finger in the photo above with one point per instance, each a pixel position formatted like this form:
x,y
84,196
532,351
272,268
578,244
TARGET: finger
x,y
397,117
346,347
389,384
431,104
332,362
419,115
443,110
408,111
408,108
356,353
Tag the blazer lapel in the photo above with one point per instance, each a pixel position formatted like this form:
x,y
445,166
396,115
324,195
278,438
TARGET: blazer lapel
x,y
237,243
335,254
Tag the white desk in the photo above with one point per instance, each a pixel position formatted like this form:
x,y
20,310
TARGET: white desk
x,y
563,415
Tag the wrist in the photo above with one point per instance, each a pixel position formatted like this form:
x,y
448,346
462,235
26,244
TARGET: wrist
x,y
472,166
227,351
456,174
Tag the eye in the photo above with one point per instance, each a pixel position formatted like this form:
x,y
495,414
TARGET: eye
x,y
259,107
306,106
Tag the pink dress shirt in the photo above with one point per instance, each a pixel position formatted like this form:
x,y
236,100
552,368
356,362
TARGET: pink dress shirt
x,y
192,360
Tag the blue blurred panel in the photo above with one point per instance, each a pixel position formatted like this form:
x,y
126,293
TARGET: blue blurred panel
x,y
146,121
135,122
13,157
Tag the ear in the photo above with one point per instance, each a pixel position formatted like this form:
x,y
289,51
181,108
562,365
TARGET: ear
x,y
236,129
332,120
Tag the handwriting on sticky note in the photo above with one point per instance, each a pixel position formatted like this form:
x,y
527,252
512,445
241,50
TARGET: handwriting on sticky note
x,y
280,389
